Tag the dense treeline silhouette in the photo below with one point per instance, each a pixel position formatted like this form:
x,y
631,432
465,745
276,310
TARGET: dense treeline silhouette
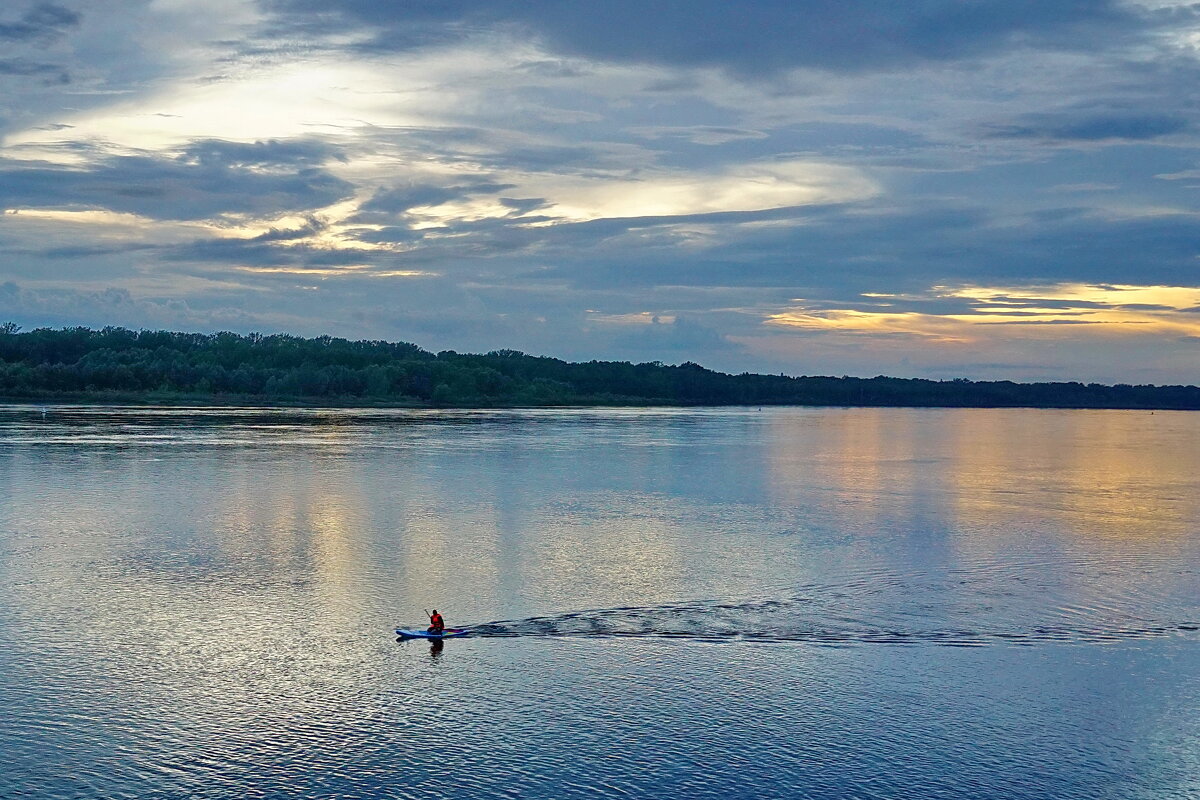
x,y
117,364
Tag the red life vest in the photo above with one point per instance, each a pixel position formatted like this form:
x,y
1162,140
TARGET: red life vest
x,y
436,623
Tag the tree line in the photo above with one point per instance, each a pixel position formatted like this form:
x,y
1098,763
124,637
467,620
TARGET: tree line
x,y
121,365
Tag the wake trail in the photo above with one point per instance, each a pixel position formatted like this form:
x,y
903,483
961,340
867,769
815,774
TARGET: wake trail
x,y
963,608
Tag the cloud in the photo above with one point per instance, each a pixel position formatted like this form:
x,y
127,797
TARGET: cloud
x,y
476,175
974,309
287,155
50,74
660,193
655,338
39,23
749,39
69,307
698,134
30,44
397,200
836,253
1093,126
199,184
65,60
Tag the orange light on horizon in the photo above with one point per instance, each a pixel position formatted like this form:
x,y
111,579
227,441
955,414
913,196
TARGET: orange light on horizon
x,y
1056,311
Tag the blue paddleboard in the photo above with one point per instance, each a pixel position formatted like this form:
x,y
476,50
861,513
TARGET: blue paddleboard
x,y
449,633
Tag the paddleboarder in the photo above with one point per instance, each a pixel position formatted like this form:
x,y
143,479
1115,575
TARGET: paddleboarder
x,y
436,623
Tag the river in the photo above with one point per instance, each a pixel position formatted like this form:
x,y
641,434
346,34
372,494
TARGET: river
x,y
781,602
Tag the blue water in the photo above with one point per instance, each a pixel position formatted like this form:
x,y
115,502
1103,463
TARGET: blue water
x,y
824,603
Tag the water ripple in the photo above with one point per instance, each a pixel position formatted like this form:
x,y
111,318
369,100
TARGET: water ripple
x,y
987,605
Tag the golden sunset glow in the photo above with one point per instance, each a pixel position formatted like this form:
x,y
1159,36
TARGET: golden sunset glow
x,y
1176,297
1040,312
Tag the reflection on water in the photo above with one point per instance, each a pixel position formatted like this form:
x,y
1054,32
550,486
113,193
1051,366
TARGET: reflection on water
x,y
1105,475
200,603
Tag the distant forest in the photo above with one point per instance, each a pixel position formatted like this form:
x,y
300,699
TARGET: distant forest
x,y
121,365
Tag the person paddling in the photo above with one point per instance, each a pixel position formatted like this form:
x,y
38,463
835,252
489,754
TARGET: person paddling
x,y
436,623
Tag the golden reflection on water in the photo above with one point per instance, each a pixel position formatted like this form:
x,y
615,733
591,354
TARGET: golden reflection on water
x,y
333,514
1098,476
853,453
862,465
1101,474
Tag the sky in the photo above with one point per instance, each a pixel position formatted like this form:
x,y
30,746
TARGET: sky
x,y
985,189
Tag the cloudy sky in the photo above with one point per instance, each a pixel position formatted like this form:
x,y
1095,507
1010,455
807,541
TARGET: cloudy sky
x,y
934,188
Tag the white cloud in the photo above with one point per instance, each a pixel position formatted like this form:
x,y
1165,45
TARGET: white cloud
x,y
741,187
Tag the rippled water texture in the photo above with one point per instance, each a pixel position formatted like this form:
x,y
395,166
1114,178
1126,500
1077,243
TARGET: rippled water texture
x,y
825,603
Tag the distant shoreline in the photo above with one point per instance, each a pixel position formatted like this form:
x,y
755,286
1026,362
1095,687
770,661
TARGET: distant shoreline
x,y
117,366
137,401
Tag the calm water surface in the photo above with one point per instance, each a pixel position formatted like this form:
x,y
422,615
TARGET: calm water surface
x,y
824,603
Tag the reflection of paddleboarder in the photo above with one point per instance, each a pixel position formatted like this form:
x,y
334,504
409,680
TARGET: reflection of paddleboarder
x,y
436,623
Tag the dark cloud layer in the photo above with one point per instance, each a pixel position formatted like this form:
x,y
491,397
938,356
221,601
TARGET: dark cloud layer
x,y
25,38
1096,126
39,23
48,73
285,154
99,307
750,38
208,181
